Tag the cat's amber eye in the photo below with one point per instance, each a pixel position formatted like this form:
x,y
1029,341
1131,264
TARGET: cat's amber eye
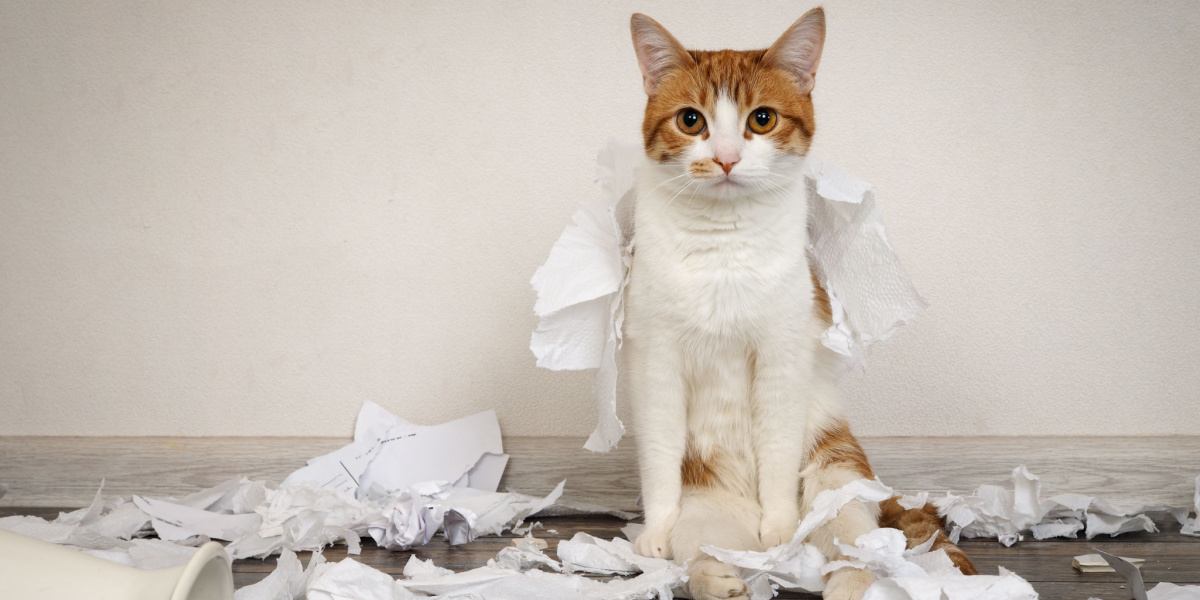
x,y
690,121
762,120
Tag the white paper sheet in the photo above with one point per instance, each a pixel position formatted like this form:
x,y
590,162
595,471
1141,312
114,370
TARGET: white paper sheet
x,y
580,287
467,451
178,522
1170,591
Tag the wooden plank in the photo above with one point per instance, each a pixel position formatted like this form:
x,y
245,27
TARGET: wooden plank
x,y
64,471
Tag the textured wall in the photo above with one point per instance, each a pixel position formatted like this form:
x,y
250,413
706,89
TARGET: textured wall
x,y
244,218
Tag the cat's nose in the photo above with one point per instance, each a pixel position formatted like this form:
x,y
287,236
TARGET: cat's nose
x,y
726,166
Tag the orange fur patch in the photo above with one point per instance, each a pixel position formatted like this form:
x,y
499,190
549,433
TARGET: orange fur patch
x,y
918,525
697,471
747,79
837,446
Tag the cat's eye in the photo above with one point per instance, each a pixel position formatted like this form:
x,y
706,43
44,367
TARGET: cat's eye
x,y
762,120
690,121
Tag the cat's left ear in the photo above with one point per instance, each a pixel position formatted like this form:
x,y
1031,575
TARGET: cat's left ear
x,y
658,51
798,50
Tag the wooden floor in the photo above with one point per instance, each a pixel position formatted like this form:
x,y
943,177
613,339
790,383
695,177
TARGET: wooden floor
x,y
41,474
1047,565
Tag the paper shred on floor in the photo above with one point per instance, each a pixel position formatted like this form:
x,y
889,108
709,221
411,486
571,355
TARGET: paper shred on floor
x,y
1007,513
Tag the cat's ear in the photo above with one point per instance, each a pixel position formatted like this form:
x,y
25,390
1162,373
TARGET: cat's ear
x,y
798,50
658,52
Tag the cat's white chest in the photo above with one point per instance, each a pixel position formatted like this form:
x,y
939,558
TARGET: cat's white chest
x,y
737,273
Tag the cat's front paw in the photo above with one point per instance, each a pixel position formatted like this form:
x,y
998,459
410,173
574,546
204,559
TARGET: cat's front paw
x,y
847,584
778,527
655,539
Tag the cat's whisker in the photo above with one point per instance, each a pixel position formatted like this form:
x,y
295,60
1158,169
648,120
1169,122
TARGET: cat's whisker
x,y
669,180
672,200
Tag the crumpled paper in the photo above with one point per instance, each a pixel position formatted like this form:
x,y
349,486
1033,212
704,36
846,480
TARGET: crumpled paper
x,y
902,573
580,287
525,571
315,507
1006,513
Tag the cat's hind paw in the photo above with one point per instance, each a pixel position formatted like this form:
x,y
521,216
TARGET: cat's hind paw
x,y
777,528
712,580
847,584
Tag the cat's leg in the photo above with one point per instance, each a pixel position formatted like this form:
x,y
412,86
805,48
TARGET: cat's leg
x,y
780,405
836,459
714,517
657,392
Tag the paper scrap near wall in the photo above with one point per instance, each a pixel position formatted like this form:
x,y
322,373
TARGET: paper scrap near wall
x,y
1007,513
467,452
302,516
397,483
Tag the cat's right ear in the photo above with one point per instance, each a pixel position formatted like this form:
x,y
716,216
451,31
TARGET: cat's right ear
x,y
658,52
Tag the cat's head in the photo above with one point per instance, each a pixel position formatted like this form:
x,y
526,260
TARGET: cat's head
x,y
730,123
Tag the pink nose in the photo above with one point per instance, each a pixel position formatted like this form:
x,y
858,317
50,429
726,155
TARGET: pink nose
x,y
726,166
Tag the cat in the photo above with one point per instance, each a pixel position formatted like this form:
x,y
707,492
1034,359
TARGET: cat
x,y
734,397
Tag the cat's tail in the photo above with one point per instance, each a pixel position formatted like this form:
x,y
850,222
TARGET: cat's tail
x,y
918,524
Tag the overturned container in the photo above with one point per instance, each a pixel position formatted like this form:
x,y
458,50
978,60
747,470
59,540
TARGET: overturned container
x,y
32,568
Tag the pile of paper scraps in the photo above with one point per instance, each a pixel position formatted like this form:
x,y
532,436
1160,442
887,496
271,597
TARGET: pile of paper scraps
x,y
369,488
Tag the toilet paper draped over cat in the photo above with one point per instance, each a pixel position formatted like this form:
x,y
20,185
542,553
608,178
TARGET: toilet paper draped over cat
x,y
581,285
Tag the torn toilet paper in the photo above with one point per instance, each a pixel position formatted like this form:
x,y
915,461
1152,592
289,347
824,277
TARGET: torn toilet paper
x,y
318,507
524,571
369,488
580,287
1007,513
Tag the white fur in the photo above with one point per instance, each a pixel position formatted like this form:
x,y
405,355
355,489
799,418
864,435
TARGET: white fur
x,y
722,354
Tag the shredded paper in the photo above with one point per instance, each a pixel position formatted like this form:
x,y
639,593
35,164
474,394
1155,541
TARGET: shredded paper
x,y
368,489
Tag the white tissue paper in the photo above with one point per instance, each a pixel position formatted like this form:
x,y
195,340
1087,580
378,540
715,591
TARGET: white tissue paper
x,y
902,573
1170,591
372,487
580,287
524,571
1007,513
869,291
306,517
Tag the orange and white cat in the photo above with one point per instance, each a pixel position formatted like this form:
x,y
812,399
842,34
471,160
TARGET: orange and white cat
x,y
735,398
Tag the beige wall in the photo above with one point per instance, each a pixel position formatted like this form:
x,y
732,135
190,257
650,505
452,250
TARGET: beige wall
x,y
245,218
